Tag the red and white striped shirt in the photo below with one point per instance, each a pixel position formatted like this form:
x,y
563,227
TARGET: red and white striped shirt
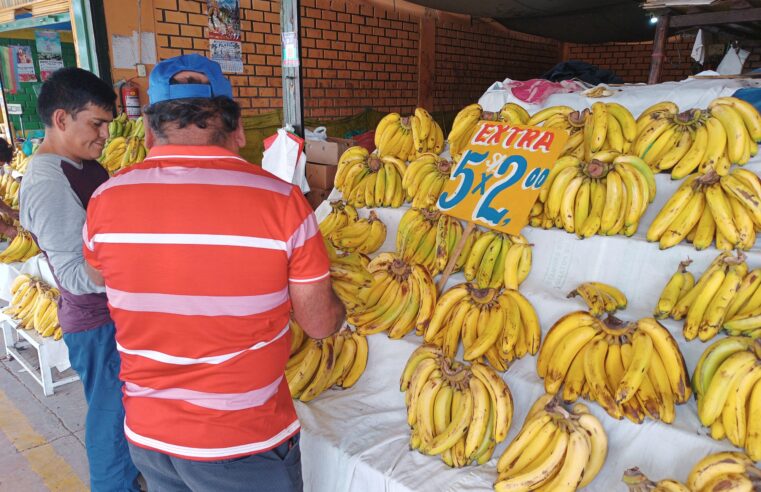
x,y
197,248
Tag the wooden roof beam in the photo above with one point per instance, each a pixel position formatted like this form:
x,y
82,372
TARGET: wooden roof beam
x,y
713,18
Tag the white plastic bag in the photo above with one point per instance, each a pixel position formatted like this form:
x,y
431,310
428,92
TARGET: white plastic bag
x,y
285,158
320,133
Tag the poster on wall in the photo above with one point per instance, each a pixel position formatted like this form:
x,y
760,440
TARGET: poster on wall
x,y
228,54
49,53
24,63
224,34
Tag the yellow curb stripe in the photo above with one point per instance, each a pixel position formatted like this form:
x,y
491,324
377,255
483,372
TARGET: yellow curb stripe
x,y
53,470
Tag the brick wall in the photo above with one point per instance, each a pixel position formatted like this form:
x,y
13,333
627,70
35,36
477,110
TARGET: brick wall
x,y
356,55
631,61
25,94
470,58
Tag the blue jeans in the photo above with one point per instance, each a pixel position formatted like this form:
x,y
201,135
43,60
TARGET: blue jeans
x,y
93,355
276,470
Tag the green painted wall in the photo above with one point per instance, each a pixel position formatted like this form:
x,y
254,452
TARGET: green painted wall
x,y
25,94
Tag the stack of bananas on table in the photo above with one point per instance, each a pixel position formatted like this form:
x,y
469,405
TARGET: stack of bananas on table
x,y
425,178
458,411
349,276
21,247
20,161
631,369
726,133
9,187
744,313
600,298
606,195
717,472
466,122
370,181
499,325
408,137
362,235
428,237
556,450
341,215
724,293
316,365
704,208
125,145
727,388
35,305
497,259
606,126
401,297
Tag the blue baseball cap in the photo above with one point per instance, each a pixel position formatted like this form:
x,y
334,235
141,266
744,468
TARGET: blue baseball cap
x,y
161,89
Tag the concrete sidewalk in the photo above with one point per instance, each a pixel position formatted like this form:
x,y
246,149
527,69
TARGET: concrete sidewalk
x,y
41,438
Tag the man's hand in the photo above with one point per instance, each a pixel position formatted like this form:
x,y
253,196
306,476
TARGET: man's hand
x,y
316,308
94,275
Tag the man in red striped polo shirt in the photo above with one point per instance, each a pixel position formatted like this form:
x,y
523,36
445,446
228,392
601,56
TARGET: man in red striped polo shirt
x,y
203,256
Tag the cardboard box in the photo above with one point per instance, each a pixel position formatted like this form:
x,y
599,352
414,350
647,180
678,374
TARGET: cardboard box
x,y
317,195
321,175
328,151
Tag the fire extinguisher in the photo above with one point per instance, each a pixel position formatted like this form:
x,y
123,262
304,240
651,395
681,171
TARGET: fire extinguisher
x,y
130,94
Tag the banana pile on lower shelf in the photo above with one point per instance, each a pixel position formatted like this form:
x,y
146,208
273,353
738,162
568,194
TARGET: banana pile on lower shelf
x,y
458,411
631,370
34,304
499,325
717,472
317,365
727,388
556,450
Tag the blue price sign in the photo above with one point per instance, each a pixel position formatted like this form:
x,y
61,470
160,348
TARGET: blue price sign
x,y
498,178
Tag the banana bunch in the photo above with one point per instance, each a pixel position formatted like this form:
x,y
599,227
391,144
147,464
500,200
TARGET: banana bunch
x,y
408,137
744,312
9,187
21,248
632,370
125,145
729,398
607,126
428,237
457,411
499,325
370,181
35,305
466,122
20,161
497,259
606,195
721,293
425,178
349,277
341,215
600,298
556,450
725,471
316,365
727,208
714,139
637,481
362,235
402,297
680,283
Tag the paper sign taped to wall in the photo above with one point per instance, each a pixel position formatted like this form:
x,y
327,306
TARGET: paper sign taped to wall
x,y
126,53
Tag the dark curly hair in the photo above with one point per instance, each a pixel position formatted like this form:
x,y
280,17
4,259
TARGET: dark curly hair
x,y
221,112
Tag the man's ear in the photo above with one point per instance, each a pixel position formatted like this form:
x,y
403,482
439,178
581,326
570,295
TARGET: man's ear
x,y
150,137
240,134
60,119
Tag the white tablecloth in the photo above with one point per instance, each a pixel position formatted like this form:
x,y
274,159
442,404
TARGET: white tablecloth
x,y
357,439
